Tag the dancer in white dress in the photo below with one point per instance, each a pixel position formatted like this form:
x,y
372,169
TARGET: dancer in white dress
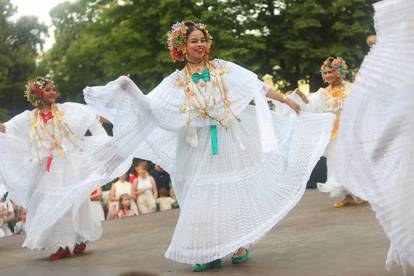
x,y
44,167
238,169
331,99
374,152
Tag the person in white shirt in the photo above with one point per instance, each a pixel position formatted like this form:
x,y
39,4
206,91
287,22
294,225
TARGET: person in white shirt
x,y
146,190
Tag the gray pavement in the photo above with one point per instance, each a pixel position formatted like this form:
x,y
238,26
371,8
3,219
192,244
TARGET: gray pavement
x,y
314,239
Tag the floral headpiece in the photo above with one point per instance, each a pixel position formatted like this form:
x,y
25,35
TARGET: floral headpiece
x,y
336,63
35,90
177,39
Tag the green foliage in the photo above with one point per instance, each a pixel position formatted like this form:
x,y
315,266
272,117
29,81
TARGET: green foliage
x,y
304,32
129,37
20,43
98,40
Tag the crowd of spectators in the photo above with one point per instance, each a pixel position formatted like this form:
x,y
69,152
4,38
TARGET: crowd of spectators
x,y
145,188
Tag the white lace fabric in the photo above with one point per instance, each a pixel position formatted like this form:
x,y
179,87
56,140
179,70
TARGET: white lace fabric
x,y
375,145
227,200
59,211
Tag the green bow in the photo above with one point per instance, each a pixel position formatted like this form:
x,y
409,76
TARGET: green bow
x,y
205,75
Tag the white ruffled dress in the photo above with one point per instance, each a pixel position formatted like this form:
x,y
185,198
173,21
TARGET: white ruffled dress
x,y
59,209
227,200
375,146
319,102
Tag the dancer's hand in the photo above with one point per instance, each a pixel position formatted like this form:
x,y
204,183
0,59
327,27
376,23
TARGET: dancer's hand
x,y
293,105
103,120
301,95
2,128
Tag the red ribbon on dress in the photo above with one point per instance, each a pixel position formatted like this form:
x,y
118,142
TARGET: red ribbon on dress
x,y
49,162
46,116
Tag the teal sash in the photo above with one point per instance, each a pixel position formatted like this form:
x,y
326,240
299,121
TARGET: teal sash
x,y
213,135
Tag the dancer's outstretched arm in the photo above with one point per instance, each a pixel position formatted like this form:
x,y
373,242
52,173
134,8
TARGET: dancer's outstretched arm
x,y
301,95
283,99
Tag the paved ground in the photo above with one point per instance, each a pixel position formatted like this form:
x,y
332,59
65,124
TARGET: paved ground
x,y
315,239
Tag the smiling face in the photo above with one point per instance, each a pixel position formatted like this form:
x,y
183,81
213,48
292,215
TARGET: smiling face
x,y
331,76
49,94
197,46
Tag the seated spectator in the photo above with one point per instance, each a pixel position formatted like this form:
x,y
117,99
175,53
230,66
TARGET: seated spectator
x,y
164,201
13,222
118,188
145,190
134,173
125,207
96,202
20,227
6,214
161,177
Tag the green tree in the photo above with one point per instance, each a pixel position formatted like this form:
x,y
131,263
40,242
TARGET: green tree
x,y
20,43
301,33
96,41
130,38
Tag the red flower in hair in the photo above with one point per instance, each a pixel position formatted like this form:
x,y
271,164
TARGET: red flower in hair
x,y
176,54
39,91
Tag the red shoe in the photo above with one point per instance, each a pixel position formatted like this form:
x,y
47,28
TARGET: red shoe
x,y
61,253
79,248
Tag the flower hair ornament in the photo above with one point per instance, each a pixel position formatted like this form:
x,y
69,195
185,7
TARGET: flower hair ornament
x,y
338,64
177,39
35,90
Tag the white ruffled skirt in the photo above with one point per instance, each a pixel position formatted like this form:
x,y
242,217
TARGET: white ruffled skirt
x,y
59,210
374,154
227,200
332,186
232,199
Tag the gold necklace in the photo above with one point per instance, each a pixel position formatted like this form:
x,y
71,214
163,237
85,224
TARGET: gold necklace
x,y
335,97
54,130
338,94
203,106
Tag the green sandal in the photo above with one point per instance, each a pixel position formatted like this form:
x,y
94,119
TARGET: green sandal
x,y
202,267
241,259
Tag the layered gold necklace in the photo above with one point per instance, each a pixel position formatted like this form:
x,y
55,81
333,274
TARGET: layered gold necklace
x,y
47,133
203,101
336,96
335,100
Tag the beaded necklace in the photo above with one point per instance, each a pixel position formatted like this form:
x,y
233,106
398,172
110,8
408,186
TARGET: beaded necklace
x,y
335,97
53,130
205,104
335,100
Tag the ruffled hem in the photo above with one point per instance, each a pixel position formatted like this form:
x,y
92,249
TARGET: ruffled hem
x,y
190,257
374,152
274,181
